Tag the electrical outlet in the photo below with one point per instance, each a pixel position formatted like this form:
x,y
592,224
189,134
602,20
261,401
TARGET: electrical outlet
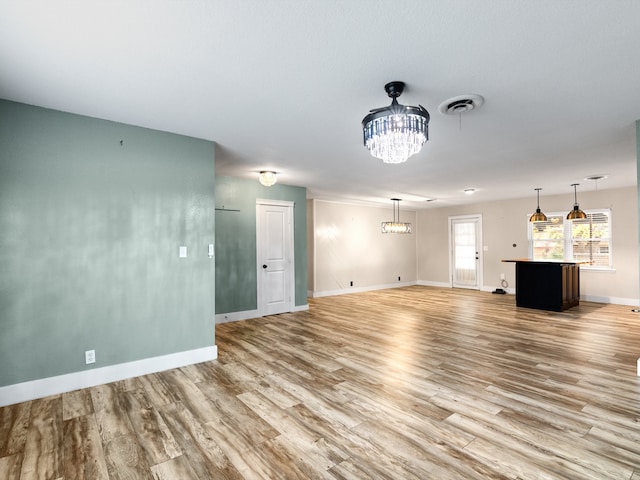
x,y
398,278
90,356
502,276
351,283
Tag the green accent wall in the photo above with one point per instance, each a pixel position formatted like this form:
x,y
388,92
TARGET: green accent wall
x,y
92,215
236,277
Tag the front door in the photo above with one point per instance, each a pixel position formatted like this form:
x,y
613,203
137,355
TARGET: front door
x,y
275,268
465,246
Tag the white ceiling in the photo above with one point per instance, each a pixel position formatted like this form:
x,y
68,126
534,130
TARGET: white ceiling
x,y
284,85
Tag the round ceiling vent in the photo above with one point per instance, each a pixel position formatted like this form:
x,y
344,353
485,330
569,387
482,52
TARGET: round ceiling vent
x,y
461,104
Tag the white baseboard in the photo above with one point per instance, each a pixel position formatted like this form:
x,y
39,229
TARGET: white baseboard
x,y
348,290
427,283
511,291
236,316
22,392
247,314
613,300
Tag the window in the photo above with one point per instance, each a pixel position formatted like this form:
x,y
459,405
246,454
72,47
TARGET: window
x,y
546,239
587,240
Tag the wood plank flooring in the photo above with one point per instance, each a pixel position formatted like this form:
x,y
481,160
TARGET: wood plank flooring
x,y
408,383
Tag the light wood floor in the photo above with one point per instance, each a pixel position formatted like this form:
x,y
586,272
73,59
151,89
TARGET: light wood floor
x,y
410,383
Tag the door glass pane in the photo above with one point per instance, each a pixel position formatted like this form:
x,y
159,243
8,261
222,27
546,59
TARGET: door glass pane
x,y
464,253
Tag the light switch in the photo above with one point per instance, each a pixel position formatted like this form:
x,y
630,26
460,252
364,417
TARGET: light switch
x,y
183,252
211,252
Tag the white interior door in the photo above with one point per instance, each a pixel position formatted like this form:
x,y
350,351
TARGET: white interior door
x,y
465,241
275,268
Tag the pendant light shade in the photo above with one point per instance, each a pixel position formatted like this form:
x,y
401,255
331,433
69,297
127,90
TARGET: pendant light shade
x,y
538,216
576,213
396,226
396,132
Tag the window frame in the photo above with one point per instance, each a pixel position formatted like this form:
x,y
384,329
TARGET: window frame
x,y
568,240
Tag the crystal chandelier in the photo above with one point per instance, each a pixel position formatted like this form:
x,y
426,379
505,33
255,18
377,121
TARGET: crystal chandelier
x,y
396,226
396,132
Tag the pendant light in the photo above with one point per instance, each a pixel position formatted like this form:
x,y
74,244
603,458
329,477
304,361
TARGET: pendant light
x,y
538,216
576,213
396,226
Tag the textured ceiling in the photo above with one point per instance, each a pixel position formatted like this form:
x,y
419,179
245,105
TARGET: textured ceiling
x,y
284,85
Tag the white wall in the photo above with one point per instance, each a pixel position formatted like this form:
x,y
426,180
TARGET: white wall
x,y
350,247
505,225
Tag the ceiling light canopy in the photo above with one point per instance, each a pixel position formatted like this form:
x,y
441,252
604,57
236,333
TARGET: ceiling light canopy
x,y
538,216
396,132
267,178
396,226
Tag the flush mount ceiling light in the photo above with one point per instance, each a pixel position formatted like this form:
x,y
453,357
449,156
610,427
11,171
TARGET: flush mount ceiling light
x,y
469,191
538,216
396,226
267,178
576,213
396,132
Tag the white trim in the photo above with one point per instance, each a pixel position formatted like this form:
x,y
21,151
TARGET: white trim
x,y
590,269
289,248
277,203
567,240
429,283
485,288
236,316
477,218
346,291
23,392
583,298
249,314
612,300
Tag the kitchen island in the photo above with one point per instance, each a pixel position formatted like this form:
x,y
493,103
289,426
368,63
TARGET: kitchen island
x,y
547,284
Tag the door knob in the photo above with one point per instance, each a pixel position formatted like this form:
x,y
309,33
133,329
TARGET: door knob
x,y
264,266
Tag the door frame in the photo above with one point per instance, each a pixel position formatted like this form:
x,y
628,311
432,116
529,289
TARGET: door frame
x,y
290,254
479,272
